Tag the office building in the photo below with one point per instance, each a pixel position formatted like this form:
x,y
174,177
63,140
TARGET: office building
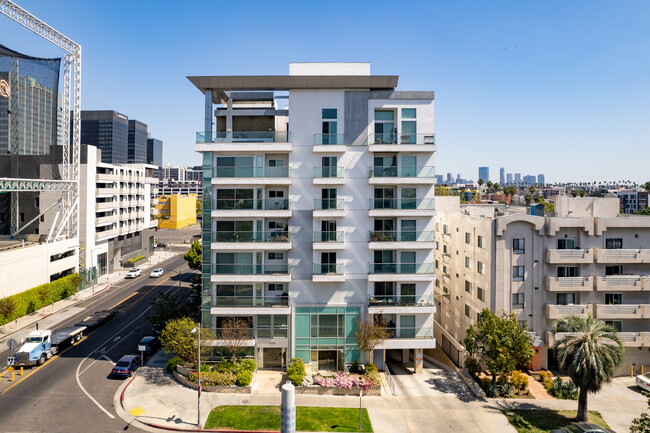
x,y
137,141
540,180
108,131
529,180
450,178
585,259
517,179
484,174
502,178
155,152
176,211
439,179
629,199
182,188
509,179
292,243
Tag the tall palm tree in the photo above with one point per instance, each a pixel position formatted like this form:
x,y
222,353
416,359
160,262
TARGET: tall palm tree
x,y
590,351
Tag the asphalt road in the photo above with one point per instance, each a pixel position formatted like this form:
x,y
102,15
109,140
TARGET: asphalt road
x,y
72,391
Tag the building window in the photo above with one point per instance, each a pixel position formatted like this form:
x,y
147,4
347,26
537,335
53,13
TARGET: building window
x,y
518,246
614,270
468,262
408,113
468,238
274,287
275,256
481,241
437,283
480,294
468,287
444,249
567,271
445,229
437,265
385,131
481,268
614,244
566,244
613,298
616,324
518,300
329,129
566,298
517,273
468,311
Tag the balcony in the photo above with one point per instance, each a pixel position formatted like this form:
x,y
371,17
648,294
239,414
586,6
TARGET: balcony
x,y
245,240
328,273
384,240
106,234
393,207
254,273
333,240
405,272
623,311
262,208
554,312
569,256
105,192
105,220
389,142
393,304
228,175
629,339
622,256
631,283
243,141
106,205
222,305
401,175
330,207
569,284
106,177
330,175
329,143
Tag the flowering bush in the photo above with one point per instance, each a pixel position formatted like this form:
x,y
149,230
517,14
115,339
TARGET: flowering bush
x,y
344,380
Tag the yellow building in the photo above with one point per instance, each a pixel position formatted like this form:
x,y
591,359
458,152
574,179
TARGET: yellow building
x,y
176,211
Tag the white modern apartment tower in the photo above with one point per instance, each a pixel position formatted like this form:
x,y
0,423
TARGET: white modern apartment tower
x,y
318,201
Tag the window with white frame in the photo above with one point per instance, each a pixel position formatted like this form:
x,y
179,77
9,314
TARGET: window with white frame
x,y
468,238
517,300
481,267
468,311
480,294
481,241
517,273
468,262
468,287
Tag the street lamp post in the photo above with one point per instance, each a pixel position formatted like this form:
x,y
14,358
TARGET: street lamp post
x,y
198,407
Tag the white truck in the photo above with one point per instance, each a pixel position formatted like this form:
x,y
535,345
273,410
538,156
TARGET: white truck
x,y
42,345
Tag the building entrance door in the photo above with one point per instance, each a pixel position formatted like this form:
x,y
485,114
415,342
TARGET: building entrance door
x,y
273,357
327,360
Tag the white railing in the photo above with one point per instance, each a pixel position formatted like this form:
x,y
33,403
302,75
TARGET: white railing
x,y
389,379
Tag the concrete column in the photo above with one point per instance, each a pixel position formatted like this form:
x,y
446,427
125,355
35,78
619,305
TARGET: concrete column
x,y
229,116
418,361
208,116
405,356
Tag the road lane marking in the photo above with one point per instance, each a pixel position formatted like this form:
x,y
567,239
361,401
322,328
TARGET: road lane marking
x,y
130,296
104,350
108,359
110,415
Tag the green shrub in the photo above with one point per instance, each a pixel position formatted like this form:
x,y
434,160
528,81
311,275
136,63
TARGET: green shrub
x,y
370,368
472,366
563,390
171,364
519,380
373,375
214,378
244,378
296,371
135,259
355,368
248,365
506,390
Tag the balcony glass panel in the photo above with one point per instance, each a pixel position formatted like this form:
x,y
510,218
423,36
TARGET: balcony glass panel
x,y
332,236
321,139
401,268
331,171
220,332
328,204
239,171
328,268
402,171
404,203
410,332
249,269
252,204
249,236
243,137
401,236
403,138
400,301
250,301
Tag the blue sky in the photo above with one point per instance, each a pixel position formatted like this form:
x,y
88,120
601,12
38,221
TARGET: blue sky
x,y
555,87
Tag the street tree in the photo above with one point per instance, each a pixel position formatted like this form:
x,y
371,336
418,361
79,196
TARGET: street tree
x,y
234,334
370,333
7,308
489,185
164,308
480,182
528,198
193,256
177,338
499,343
590,351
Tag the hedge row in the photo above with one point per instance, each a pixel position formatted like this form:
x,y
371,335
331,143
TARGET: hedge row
x,y
35,298
135,259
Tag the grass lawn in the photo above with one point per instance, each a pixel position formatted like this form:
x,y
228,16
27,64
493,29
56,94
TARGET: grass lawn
x,y
543,420
322,419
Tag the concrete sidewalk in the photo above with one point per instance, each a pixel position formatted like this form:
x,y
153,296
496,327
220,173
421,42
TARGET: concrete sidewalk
x,y
49,316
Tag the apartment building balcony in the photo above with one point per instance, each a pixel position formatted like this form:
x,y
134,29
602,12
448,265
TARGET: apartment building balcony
x,y
393,304
569,256
393,207
404,272
569,284
106,220
554,312
629,339
223,175
610,256
329,143
409,338
389,142
246,240
623,311
328,273
106,205
631,283
389,240
331,175
250,305
105,192
262,208
252,273
243,141
330,207
106,177
332,240
401,175
106,234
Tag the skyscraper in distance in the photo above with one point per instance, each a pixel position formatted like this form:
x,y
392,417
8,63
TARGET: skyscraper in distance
x,y
540,179
518,178
502,179
509,178
484,173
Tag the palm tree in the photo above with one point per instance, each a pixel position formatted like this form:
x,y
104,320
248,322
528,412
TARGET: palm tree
x,y
590,351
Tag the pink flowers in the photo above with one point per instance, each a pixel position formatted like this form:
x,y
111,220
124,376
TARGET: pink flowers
x,y
344,380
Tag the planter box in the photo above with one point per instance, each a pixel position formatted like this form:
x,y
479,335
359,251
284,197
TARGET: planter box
x,y
182,378
375,390
126,263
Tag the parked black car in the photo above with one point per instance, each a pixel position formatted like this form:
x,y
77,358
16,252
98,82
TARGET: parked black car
x,y
150,344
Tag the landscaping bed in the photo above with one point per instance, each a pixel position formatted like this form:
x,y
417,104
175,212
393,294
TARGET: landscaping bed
x,y
321,419
227,376
543,420
359,378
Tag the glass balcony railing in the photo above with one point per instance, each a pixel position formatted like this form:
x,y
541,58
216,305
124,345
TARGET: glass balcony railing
x,y
329,236
249,269
402,203
244,236
250,301
400,268
331,171
328,204
401,236
244,137
401,171
251,204
228,171
401,301
227,333
407,332
396,138
320,139
328,268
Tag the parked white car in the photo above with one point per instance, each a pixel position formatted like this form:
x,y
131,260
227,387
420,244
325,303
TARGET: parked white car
x,y
135,272
156,273
643,380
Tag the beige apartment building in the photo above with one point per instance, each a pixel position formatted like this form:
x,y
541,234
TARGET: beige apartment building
x,y
587,258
